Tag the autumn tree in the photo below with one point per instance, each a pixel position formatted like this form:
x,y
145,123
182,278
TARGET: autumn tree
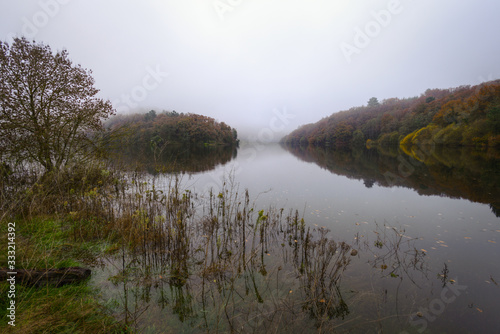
x,y
48,106
451,112
458,116
342,134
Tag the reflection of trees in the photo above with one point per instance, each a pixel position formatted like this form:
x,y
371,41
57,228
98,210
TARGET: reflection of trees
x,y
495,208
369,183
174,158
456,173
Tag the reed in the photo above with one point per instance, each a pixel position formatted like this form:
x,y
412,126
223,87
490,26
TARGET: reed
x,y
209,262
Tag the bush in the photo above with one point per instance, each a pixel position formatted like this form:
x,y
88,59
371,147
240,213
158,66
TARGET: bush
x,y
478,129
423,136
450,135
389,139
30,192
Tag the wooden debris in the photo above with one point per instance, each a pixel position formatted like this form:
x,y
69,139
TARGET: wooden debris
x,y
41,277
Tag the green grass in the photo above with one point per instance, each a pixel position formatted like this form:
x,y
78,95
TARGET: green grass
x,y
49,243
68,309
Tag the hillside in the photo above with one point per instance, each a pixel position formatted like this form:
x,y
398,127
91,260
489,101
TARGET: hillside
x,y
156,130
462,116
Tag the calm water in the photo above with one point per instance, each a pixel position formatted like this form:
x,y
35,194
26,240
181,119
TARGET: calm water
x,y
436,268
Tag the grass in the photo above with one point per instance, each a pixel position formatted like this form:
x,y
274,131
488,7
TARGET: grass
x,y
68,309
47,243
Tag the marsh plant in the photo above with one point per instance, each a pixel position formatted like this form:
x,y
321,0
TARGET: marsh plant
x,y
224,266
175,260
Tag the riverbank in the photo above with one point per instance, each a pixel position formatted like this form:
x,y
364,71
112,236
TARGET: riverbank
x,y
47,243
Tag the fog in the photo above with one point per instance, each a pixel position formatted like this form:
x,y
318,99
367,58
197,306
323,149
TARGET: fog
x,y
265,66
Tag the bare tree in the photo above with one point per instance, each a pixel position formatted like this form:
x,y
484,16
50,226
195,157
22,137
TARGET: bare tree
x,y
48,106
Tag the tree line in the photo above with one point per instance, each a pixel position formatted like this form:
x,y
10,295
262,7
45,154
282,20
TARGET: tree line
x,y
461,116
155,130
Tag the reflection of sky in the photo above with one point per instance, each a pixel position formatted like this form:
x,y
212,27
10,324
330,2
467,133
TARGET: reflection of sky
x,y
280,179
463,235
338,203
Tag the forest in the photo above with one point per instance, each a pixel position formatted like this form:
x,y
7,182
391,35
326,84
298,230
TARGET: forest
x,y
154,131
461,116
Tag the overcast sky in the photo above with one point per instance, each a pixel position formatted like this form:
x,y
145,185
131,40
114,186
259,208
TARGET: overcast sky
x,y
265,65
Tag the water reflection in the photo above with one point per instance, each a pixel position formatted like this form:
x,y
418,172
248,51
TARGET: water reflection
x,y
451,172
209,263
233,268
176,158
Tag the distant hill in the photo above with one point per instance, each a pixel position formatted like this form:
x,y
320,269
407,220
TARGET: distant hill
x,y
462,116
154,130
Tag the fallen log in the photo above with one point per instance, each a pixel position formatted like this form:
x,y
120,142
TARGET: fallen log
x,y
42,277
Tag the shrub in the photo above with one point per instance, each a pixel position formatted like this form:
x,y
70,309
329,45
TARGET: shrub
x,y
479,128
389,139
450,135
